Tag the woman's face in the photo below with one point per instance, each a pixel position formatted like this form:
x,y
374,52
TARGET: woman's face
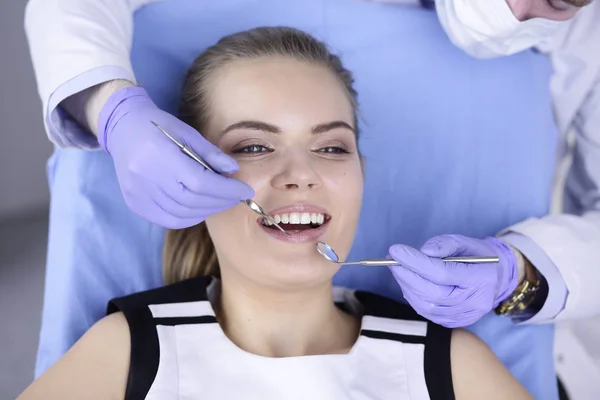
x,y
290,127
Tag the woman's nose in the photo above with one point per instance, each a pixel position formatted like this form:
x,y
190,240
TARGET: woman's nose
x,y
297,172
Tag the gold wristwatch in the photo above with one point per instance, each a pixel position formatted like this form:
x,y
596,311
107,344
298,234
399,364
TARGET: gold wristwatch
x,y
523,295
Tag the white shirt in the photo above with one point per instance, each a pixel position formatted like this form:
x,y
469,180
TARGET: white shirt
x,y
76,44
179,351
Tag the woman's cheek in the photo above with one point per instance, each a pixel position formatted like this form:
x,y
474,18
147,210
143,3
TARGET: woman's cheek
x,y
353,185
253,173
346,175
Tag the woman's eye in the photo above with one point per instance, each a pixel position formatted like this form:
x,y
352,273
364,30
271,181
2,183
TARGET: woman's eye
x,y
252,149
333,150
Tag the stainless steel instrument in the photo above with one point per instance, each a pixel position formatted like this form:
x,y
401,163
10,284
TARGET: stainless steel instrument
x,y
329,254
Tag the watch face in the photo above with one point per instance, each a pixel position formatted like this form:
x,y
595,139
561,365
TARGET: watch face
x,y
526,300
518,303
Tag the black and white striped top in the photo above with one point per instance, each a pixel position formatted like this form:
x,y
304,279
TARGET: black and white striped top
x,y
179,351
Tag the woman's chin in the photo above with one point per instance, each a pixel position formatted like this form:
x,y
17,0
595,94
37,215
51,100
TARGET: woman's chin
x,y
288,265
300,272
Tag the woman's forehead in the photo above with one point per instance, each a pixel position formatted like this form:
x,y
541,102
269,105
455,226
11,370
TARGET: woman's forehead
x,y
282,92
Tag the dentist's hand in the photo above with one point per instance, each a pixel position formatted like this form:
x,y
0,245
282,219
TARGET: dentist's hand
x,y
454,294
159,182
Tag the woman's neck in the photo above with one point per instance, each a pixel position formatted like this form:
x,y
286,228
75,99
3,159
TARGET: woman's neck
x,y
274,323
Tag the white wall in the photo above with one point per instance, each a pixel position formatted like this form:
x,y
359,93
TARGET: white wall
x,y
24,148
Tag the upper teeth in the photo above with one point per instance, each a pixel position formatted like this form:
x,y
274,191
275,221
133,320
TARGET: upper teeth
x,y
297,218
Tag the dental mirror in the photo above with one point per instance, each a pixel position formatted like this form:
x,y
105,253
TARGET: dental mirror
x,y
327,252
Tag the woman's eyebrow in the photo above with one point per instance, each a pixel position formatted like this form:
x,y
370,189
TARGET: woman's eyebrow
x,y
253,125
265,127
330,126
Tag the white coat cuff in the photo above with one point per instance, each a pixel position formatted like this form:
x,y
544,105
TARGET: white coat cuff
x,y
62,129
557,290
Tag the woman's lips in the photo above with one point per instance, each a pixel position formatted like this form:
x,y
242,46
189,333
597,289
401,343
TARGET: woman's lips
x,y
303,236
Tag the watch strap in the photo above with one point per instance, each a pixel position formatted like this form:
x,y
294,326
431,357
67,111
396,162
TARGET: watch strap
x,y
523,303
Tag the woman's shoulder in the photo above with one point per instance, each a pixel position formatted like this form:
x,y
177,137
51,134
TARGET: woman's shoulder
x,y
189,290
137,316
95,367
477,373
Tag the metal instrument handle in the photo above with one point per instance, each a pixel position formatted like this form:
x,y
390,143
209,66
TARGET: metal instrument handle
x,y
386,262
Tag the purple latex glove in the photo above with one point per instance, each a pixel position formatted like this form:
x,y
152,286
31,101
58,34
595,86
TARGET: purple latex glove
x,y
159,182
454,294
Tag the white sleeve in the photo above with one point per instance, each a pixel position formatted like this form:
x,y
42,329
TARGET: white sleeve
x,y
76,44
571,241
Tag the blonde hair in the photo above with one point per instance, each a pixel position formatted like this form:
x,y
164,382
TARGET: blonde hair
x,y
190,252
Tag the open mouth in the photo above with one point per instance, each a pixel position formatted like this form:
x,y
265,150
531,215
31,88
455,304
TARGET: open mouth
x,y
296,222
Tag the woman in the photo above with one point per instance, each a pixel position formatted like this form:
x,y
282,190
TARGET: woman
x,y
249,311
